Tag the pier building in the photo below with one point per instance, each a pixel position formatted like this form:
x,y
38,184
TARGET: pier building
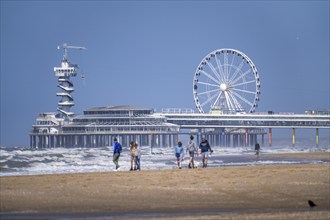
x,y
99,126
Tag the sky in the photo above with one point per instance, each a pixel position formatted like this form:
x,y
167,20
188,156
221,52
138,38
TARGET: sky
x,y
145,53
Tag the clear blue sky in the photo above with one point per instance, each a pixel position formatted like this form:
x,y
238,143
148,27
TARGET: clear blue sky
x,y
145,53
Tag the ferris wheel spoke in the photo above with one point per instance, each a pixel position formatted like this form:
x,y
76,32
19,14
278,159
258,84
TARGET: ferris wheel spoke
x,y
214,71
226,66
237,70
243,83
229,103
211,77
208,84
243,99
232,64
227,99
217,98
241,76
220,67
209,99
210,91
241,90
237,104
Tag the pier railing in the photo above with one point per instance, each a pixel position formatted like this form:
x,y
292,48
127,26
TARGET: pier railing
x,y
249,121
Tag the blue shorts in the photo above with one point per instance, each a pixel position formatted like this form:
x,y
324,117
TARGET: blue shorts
x,y
179,157
205,154
191,153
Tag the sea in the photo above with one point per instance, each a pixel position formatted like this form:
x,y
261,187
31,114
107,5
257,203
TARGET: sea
x,y
18,161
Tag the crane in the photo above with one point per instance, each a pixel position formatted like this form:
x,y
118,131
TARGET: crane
x,y
65,46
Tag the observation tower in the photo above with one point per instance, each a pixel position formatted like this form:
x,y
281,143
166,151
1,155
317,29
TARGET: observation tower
x,y
64,73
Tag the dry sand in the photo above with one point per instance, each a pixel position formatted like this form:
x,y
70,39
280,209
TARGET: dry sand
x,y
254,192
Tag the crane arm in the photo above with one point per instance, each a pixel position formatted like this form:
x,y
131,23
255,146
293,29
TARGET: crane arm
x,y
65,46
76,47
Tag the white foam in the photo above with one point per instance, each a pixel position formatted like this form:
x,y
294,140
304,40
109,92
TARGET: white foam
x,y
73,160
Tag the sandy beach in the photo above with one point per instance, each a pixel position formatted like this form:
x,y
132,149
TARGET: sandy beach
x,y
246,192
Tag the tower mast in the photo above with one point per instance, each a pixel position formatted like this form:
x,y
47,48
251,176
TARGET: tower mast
x,y
64,73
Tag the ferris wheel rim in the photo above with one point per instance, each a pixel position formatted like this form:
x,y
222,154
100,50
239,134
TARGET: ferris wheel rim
x,y
221,79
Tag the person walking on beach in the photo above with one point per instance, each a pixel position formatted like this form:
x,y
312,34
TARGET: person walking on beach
x,y
205,148
132,150
117,148
192,149
257,149
179,154
137,157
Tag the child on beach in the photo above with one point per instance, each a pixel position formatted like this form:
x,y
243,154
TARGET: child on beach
x,y
132,150
137,156
116,153
179,154
192,149
205,148
257,149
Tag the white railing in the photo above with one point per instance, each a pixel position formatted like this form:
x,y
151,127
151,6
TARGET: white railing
x,y
177,110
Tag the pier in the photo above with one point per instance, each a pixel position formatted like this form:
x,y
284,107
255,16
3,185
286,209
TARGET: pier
x,y
226,91
243,129
98,126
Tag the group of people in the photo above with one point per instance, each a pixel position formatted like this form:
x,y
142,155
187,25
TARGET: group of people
x,y
135,153
191,147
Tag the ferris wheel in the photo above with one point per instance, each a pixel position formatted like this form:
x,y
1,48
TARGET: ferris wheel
x,y
226,81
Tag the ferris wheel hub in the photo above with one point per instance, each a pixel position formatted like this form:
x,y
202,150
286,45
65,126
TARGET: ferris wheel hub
x,y
223,87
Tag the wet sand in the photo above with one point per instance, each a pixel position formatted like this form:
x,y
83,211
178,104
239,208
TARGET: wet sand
x,y
248,192
312,155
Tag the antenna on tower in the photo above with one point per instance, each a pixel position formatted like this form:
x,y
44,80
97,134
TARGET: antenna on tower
x,y
65,46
